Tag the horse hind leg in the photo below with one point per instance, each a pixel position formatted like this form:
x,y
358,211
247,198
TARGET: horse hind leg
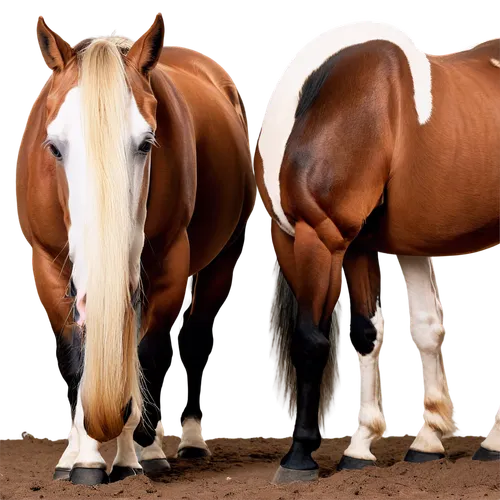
x,y
210,289
367,330
305,334
428,333
490,447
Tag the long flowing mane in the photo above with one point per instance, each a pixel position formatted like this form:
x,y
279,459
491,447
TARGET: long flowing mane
x,y
111,370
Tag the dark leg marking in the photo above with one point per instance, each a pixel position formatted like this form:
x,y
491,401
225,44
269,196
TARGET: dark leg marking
x,y
363,334
155,356
309,352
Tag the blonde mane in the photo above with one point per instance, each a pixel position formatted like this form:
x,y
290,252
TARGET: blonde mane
x,y
111,373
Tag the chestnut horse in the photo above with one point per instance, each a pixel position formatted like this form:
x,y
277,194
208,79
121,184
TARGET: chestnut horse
x,y
91,188
368,145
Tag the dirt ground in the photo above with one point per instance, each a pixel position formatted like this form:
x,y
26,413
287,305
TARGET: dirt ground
x,y
243,469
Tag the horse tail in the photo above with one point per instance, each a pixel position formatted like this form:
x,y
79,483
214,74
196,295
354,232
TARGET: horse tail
x,y
283,323
111,374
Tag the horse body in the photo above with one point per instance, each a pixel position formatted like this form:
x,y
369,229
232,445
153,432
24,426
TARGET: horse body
x,y
211,98
388,150
458,150
187,201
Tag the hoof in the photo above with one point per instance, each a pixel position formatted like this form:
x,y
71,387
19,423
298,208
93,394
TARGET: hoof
x,y
88,476
419,457
61,474
119,472
193,452
155,467
486,455
351,463
284,476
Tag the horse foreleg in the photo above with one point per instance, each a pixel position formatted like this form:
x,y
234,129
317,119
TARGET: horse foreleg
x,y
153,457
367,331
490,447
89,466
426,319
155,349
210,289
125,463
52,280
313,272
65,464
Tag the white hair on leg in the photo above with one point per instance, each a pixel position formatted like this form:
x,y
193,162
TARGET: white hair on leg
x,y
371,417
155,450
492,442
426,320
125,451
63,468
192,436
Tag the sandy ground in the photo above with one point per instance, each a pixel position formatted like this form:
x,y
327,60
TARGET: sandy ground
x,y
243,469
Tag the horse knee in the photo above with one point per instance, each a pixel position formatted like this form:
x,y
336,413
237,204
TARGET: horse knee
x,y
427,332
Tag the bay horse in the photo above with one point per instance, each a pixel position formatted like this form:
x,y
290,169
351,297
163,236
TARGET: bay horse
x,y
369,145
117,226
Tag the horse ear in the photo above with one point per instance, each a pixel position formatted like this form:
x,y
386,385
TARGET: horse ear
x,y
144,54
55,50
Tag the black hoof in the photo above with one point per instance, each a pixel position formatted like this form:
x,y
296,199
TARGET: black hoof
x,y
88,476
419,457
155,467
351,463
192,452
61,474
119,472
284,475
486,455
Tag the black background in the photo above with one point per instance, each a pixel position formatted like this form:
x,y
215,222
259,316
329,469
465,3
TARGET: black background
x,y
239,389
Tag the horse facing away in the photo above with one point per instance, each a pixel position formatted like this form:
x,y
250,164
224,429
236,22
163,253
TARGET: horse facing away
x,y
368,145
91,189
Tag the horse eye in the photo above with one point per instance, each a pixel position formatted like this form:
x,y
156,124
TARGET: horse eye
x,y
55,152
145,147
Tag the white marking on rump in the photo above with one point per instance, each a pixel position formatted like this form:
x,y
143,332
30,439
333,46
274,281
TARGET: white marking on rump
x,y
280,114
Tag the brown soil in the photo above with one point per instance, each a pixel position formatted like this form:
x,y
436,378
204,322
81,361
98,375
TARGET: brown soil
x,y
243,469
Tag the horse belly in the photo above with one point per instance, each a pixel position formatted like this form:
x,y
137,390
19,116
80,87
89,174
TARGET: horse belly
x,y
224,197
436,218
